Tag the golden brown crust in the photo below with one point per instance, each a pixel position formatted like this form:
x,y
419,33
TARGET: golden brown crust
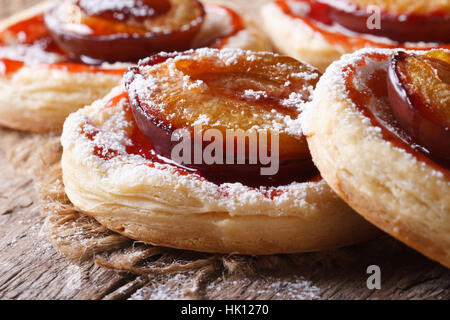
x,y
386,185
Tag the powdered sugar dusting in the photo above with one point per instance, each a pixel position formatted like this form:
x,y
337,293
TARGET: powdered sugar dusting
x,y
296,99
256,94
112,130
336,75
271,287
135,7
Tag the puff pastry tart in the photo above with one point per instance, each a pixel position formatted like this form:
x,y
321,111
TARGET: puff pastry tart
x,y
118,163
320,31
60,56
379,132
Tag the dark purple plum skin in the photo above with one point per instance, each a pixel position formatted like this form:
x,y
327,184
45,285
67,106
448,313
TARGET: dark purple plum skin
x,y
411,28
118,47
408,109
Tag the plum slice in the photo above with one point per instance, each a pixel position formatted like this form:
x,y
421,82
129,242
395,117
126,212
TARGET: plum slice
x,y
427,26
96,31
419,92
225,90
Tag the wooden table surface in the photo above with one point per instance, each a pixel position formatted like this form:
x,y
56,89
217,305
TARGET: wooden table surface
x,y
31,269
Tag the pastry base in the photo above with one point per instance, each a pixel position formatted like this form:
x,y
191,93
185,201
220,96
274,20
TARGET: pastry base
x,y
386,185
217,232
39,99
295,38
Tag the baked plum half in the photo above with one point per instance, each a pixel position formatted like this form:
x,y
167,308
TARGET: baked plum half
x,y
400,20
419,91
97,31
260,93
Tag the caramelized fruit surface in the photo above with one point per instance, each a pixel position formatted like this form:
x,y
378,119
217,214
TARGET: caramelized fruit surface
x,y
228,89
419,91
115,31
